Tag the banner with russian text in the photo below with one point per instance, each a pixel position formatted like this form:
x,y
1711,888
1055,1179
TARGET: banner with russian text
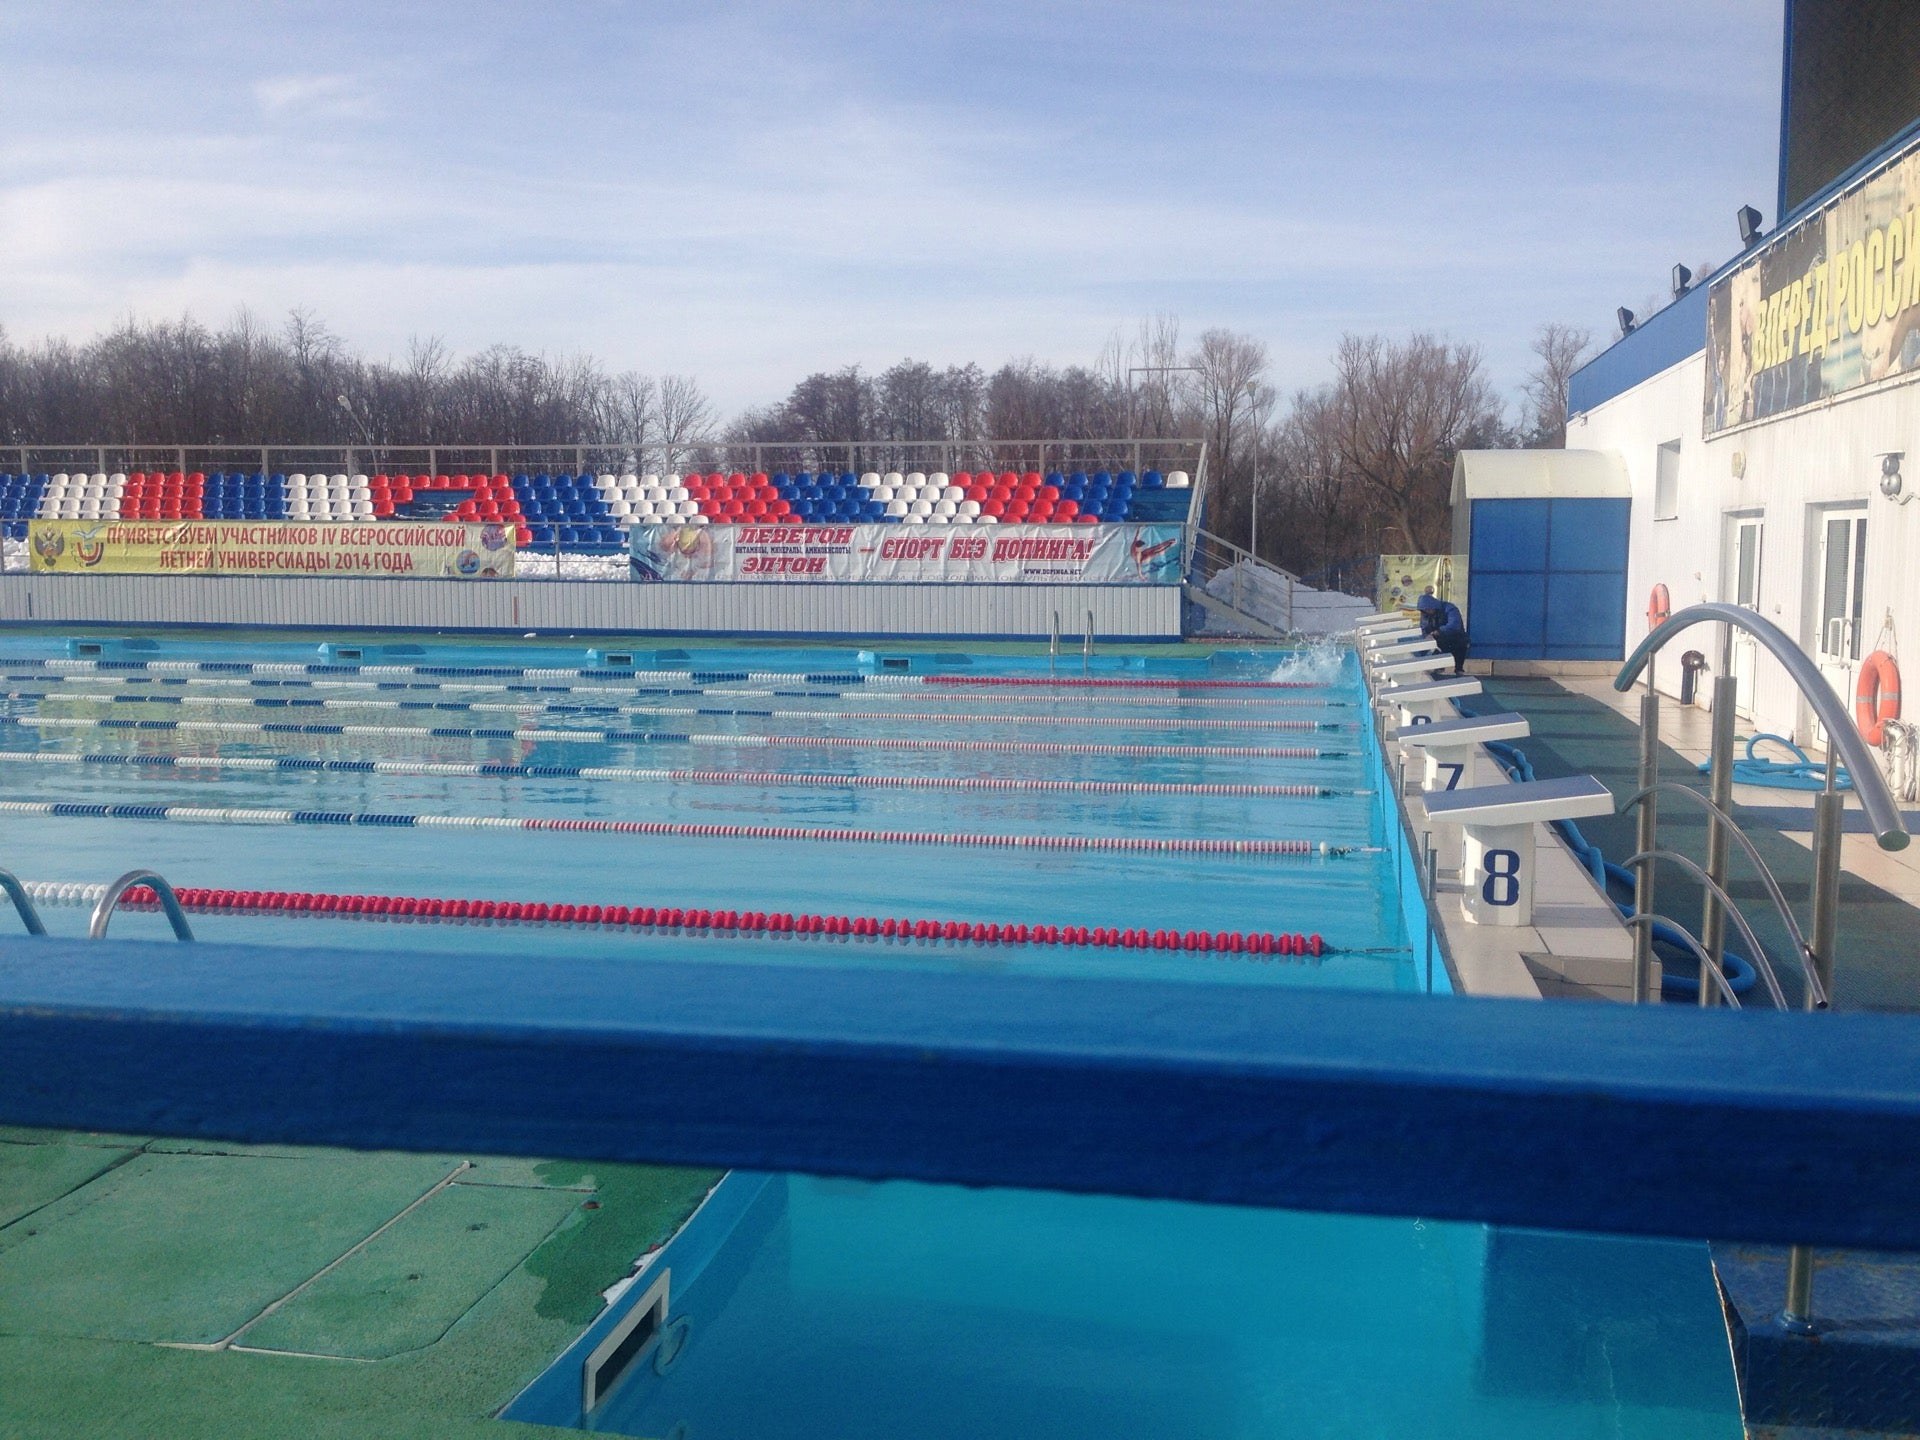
x,y
384,549
930,554
1825,307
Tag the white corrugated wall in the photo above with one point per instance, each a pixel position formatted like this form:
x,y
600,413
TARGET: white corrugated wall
x,y
1147,612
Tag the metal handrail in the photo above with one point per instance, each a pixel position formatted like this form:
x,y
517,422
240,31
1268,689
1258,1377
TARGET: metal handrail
x,y
1760,961
22,902
1890,830
1707,967
170,902
1774,892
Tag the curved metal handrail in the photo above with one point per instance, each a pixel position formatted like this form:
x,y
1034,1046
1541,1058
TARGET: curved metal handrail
x,y
170,902
1761,962
22,903
1707,967
1767,879
1868,783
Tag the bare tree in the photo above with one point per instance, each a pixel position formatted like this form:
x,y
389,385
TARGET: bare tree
x,y
1560,350
1402,411
686,415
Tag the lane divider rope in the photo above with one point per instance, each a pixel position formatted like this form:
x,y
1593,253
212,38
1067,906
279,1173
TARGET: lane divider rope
x,y
1260,944
871,697
1130,844
1145,722
522,672
652,737
767,778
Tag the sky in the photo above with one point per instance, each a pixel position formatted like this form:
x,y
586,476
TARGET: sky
x,y
749,193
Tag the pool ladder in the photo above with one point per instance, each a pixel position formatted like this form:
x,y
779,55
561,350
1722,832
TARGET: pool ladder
x,y
109,902
1814,945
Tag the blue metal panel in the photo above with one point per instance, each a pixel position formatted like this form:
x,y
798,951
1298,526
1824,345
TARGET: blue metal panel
x,y
1659,342
1509,535
1760,1126
1507,615
1588,535
1586,615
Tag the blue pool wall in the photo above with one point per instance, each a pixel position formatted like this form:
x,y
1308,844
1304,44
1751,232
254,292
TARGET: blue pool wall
x,y
1389,824
736,1213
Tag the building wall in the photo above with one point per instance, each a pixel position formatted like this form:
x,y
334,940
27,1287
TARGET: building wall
x,y
1791,469
1134,612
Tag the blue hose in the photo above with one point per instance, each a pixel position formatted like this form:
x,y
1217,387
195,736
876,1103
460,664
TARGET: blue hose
x,y
1668,940
1799,773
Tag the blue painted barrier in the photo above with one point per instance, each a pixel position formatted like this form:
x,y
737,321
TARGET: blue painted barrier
x,y
1737,1125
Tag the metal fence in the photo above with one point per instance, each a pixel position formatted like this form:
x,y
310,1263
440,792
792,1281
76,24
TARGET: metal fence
x,y
629,458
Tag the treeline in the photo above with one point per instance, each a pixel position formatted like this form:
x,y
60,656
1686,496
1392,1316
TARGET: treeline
x,y
179,383
1318,481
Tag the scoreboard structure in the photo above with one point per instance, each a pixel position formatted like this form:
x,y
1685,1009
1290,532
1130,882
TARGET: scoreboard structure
x,y
1849,85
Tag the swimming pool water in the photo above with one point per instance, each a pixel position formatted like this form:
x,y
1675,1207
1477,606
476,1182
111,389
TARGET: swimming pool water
x,y
824,1308
68,711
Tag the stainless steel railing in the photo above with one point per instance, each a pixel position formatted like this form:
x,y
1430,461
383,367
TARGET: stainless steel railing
x,y
1815,946
109,902
22,902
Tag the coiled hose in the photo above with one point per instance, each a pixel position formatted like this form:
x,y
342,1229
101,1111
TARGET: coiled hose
x,y
1799,773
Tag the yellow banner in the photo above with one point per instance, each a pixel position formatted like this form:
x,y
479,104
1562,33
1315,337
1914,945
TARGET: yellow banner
x,y
1405,578
382,549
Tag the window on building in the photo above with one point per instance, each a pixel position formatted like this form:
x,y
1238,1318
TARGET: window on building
x,y
1666,482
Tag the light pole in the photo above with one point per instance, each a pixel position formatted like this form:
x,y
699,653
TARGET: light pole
x,y
1133,370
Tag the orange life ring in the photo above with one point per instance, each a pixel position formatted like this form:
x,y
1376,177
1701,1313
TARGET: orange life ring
x,y
1876,698
1659,607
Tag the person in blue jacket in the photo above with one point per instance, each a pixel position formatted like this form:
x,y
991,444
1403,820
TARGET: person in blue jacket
x,y
1440,622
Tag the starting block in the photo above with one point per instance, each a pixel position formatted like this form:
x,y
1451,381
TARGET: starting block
x,y
1452,747
1424,702
1431,663
1496,866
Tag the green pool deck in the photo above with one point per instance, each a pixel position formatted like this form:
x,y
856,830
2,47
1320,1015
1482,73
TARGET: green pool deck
x,y
152,1288
1582,726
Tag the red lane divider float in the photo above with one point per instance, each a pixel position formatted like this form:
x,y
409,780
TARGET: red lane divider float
x,y
654,917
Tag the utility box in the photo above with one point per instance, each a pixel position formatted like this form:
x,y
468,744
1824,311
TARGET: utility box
x,y
1545,533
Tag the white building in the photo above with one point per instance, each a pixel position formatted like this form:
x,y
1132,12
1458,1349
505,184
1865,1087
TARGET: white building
x,y
1755,417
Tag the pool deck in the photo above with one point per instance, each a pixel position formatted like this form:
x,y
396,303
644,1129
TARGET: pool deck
x,y
1581,725
152,1288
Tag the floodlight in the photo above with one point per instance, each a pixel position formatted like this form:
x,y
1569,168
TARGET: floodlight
x,y
1625,317
1749,219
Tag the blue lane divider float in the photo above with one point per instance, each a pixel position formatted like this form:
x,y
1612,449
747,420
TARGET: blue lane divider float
x,y
1613,878
760,778
660,737
258,702
735,692
699,677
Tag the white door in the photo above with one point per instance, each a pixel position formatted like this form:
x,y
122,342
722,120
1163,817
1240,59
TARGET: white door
x,y
1745,534
1840,580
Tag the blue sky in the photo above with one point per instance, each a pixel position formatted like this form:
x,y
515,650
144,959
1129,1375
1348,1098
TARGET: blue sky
x,y
751,192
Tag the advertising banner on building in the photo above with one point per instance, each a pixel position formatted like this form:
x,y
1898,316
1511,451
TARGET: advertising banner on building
x,y
385,549
1826,307
1405,578
943,554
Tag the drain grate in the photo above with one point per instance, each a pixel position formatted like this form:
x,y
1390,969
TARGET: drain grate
x,y
613,1357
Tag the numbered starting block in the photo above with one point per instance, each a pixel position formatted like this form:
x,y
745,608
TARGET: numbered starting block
x,y
1425,702
1454,758
1496,866
1431,663
1381,641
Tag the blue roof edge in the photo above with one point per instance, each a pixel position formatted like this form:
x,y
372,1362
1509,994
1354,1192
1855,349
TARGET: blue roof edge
x,y
1679,330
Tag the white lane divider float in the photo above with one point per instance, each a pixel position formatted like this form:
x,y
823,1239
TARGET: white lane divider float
x,y
756,778
1129,844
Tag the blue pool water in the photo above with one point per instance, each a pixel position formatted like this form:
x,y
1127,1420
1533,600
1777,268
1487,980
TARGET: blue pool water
x,y
830,1308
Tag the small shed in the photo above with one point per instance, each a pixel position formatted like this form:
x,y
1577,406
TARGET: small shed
x,y
1545,536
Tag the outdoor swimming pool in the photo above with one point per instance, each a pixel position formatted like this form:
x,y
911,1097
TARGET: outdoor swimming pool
x,y
962,790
